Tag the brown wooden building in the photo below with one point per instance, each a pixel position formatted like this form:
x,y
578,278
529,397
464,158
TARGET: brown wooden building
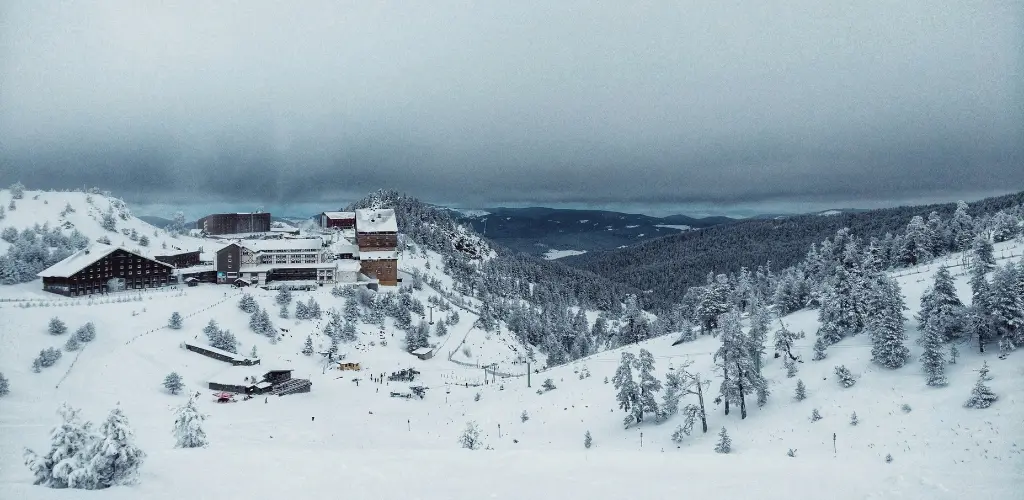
x,y
237,223
97,268
180,259
377,238
338,220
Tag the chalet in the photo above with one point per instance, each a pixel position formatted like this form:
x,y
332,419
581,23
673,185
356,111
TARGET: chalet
x,y
101,268
377,239
236,223
180,259
423,353
337,220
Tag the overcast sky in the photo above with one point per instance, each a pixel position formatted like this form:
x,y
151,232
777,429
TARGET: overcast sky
x,y
674,104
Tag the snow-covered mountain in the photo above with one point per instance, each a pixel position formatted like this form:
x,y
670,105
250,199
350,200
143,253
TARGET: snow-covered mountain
x,y
82,211
350,436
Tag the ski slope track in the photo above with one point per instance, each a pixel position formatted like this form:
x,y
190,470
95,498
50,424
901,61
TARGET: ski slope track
x,y
349,438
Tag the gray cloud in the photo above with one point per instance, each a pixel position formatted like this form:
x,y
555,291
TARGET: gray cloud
x,y
663,103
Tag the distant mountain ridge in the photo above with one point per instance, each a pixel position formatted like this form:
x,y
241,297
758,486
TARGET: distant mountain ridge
x,y
536,230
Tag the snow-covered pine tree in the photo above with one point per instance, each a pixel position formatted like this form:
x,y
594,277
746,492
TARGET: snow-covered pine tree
x,y
724,442
69,442
5,385
649,386
470,438
635,327
674,384
247,304
628,394
313,308
175,321
983,372
188,426
933,359
115,459
961,227
820,349
523,417
212,331
815,415
57,327
784,339
143,241
17,191
801,390
981,396
845,376
348,332
853,419
917,243
307,348
713,302
254,353
301,310
587,440
886,323
173,383
791,368
352,310
284,296
940,301
739,378
757,335
226,340
1007,307
283,312
440,329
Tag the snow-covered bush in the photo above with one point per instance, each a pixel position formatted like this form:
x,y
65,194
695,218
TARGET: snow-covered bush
x,y
48,357
853,419
5,385
476,397
86,332
587,440
72,344
888,458
17,191
724,442
905,408
175,321
144,241
57,327
845,377
524,416
188,426
791,453
470,438
173,383
548,385
815,415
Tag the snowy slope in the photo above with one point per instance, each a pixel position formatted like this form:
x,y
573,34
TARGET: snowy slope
x,y
365,444
47,207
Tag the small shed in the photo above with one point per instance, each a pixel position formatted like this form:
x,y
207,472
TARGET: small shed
x,y
191,281
349,366
423,353
277,376
242,282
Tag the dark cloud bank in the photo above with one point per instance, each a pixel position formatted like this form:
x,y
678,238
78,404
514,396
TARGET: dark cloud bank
x,y
669,103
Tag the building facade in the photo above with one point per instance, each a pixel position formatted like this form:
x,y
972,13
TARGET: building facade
x,y
338,220
180,259
264,261
377,239
102,268
236,223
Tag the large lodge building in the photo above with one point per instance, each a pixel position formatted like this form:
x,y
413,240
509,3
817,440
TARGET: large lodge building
x,y
237,223
363,252
98,268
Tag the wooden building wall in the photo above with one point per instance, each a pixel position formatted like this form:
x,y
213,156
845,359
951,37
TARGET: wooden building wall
x,y
377,241
136,271
385,270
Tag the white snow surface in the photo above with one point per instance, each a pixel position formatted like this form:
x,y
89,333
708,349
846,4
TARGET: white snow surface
x,y
553,254
364,444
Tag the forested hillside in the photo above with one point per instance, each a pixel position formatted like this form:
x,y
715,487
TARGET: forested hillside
x,y
669,266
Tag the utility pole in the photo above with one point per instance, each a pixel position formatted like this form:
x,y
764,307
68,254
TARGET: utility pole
x,y
527,374
499,431
431,314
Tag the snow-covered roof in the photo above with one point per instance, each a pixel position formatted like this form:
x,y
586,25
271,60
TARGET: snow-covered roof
x,y
263,385
380,220
378,255
422,350
83,258
349,265
262,268
305,244
219,351
340,215
344,246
